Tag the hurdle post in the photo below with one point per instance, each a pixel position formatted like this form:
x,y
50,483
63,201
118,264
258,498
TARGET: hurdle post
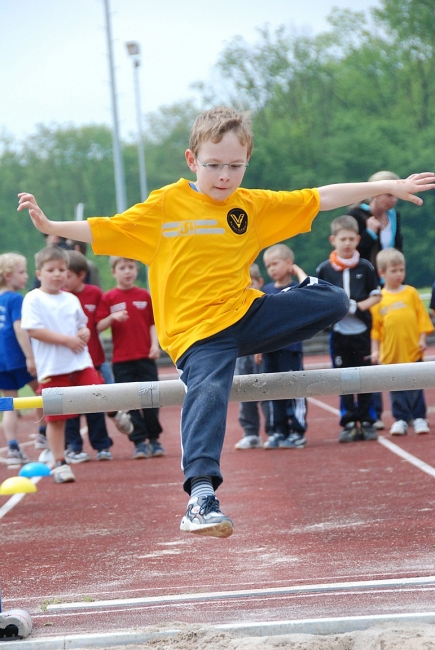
x,y
246,388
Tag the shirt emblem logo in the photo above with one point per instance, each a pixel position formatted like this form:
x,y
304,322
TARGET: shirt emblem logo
x,y
238,221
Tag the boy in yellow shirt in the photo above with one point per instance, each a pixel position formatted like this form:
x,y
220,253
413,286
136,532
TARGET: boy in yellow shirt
x,y
207,314
399,328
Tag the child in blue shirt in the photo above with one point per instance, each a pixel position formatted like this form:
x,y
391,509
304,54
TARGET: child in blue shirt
x,y
17,365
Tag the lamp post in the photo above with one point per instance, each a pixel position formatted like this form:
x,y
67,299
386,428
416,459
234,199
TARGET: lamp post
x,y
133,50
121,200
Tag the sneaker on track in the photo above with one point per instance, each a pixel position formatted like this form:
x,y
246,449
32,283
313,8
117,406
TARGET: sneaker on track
x,y
368,431
399,428
420,426
41,441
141,451
273,441
350,433
46,457
249,442
104,454
63,474
74,457
379,425
123,422
17,457
155,449
203,517
293,441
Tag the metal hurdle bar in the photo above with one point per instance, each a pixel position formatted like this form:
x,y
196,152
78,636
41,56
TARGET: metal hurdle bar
x,y
246,388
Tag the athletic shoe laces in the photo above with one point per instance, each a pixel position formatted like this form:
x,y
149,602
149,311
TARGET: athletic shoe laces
x,y
211,504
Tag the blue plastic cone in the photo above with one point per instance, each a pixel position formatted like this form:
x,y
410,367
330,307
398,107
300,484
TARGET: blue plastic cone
x,y
34,469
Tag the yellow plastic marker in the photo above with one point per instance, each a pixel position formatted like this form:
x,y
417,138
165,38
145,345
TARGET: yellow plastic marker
x,y
17,485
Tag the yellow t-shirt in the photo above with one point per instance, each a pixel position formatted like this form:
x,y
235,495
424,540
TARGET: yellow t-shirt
x,y
398,320
199,252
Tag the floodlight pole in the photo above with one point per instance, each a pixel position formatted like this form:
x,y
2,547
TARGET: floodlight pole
x,y
121,199
133,50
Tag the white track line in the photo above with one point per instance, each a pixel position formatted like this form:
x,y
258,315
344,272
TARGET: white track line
x,y
406,456
322,405
249,593
420,464
15,498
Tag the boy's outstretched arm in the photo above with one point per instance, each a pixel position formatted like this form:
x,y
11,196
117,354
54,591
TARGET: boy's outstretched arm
x,y
78,230
344,194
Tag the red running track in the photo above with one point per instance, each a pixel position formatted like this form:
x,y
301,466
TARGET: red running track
x,y
328,513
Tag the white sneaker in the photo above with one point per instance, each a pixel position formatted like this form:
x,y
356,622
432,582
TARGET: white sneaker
x,y
379,425
46,457
123,422
63,474
203,517
399,428
104,454
17,457
421,426
41,441
74,457
249,442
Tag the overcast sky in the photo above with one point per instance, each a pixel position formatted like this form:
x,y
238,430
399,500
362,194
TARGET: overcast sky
x,y
54,64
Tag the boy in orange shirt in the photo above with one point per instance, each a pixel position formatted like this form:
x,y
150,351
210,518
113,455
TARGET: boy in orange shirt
x,y
400,326
206,313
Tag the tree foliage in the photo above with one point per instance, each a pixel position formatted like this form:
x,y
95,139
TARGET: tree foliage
x,y
328,108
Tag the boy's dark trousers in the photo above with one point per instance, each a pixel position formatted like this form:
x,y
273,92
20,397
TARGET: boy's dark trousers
x,y
350,351
286,415
97,433
207,367
408,405
249,418
145,421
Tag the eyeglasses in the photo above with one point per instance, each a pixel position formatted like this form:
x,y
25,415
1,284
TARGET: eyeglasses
x,y
215,167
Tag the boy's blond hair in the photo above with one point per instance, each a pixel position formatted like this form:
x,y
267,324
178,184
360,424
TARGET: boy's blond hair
x,y
255,273
50,254
384,176
345,222
214,123
389,256
77,262
114,259
284,252
8,262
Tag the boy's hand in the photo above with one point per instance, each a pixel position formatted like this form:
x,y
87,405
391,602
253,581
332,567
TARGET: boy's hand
x,y
352,306
75,343
406,188
298,272
31,366
40,221
120,316
422,344
84,333
154,352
